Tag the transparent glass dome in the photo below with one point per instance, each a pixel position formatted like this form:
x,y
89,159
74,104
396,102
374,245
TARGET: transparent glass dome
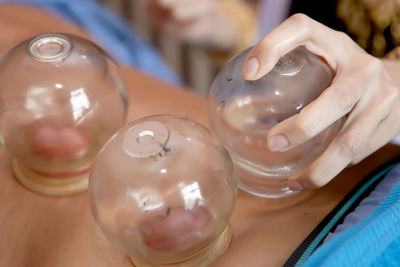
x,y
242,112
61,98
163,190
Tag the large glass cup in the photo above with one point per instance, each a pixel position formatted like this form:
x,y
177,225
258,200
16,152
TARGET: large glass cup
x,y
242,112
163,191
61,98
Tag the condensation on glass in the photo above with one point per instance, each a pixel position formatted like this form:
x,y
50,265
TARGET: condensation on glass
x,y
163,190
242,112
61,98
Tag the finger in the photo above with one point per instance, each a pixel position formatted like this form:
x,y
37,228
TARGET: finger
x,y
386,131
347,146
191,10
166,3
193,32
333,103
336,101
298,30
185,10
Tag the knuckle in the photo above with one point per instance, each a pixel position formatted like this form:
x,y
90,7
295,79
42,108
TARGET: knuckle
x,y
353,144
355,161
268,44
307,128
359,158
300,19
346,96
180,14
343,37
318,178
392,92
373,65
362,154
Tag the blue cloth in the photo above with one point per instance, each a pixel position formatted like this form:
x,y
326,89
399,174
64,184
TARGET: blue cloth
x,y
367,205
115,34
374,241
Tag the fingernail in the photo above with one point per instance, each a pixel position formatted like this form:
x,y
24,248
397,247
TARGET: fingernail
x,y
250,68
277,143
295,186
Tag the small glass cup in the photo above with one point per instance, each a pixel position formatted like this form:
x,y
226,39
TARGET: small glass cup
x,y
242,112
163,190
61,98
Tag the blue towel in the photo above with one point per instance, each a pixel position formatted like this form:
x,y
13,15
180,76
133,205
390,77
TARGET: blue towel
x,y
115,34
367,205
374,241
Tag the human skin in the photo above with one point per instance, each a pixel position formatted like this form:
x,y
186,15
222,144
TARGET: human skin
x,y
365,91
202,22
44,231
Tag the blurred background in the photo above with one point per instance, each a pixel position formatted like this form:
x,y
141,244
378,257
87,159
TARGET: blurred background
x,y
186,42
188,61
183,42
191,62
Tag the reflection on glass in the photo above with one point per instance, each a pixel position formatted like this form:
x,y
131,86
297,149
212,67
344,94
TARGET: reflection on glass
x,y
165,198
242,112
58,109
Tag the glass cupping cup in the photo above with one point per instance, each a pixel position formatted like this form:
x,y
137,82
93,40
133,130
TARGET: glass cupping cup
x,y
241,113
163,190
61,98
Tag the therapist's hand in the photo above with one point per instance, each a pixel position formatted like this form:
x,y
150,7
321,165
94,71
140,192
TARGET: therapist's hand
x,y
365,90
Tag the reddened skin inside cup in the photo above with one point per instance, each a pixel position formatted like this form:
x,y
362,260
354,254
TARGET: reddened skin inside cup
x,y
163,190
62,97
52,142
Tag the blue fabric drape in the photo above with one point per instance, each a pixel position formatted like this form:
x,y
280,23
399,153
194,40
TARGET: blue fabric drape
x,y
115,34
374,241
